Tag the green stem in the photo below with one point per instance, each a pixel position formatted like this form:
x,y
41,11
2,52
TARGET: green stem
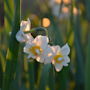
x,y
44,77
38,31
12,54
52,78
87,74
31,75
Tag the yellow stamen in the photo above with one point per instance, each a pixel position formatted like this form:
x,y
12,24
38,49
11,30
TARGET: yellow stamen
x,y
34,50
57,57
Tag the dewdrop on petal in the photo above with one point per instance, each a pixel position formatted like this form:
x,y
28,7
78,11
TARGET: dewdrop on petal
x,y
21,36
60,57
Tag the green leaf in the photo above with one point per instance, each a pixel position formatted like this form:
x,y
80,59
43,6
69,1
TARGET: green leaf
x,y
79,53
12,54
31,75
51,78
87,74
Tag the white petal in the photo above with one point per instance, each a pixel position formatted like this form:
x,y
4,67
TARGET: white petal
x,y
48,60
56,49
65,49
66,59
31,56
41,41
20,36
53,62
48,55
65,64
26,48
28,38
25,25
40,59
58,67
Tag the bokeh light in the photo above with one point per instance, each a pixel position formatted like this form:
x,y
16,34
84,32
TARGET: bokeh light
x,y
45,22
65,10
75,11
66,1
58,1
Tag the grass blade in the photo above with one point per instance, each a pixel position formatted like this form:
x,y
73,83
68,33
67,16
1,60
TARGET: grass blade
x,y
87,74
44,77
31,75
12,54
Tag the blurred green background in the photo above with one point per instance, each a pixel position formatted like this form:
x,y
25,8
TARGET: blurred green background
x,y
67,21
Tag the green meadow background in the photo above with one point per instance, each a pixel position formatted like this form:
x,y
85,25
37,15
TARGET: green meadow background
x,y
70,23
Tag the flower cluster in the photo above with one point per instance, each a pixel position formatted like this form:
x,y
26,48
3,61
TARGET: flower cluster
x,y
39,49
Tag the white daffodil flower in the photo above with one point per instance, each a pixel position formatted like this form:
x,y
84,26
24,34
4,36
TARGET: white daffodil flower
x,y
21,36
36,48
60,56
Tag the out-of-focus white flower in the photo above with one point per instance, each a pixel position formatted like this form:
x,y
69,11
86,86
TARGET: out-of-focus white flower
x,y
21,36
55,6
60,10
36,48
60,57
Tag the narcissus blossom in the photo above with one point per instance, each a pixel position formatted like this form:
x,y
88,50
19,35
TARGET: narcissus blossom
x,y
60,57
36,48
21,36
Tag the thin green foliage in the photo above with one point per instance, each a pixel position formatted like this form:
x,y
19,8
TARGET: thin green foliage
x,y
12,54
87,74
44,77
31,75
23,75
79,52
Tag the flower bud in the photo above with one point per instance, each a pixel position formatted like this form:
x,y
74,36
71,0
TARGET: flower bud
x,y
39,31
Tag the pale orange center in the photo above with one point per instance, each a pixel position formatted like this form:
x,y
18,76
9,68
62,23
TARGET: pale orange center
x,y
36,50
58,58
